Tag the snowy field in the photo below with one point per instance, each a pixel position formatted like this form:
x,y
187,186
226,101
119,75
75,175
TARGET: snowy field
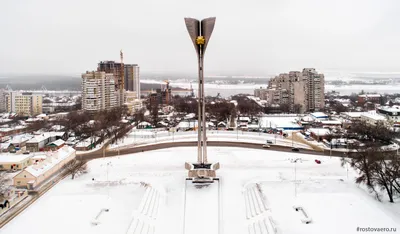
x,y
145,193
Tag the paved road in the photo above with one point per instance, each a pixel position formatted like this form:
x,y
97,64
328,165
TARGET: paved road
x,y
144,148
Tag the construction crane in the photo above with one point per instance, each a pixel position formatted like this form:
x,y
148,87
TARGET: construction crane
x,y
167,94
122,85
191,90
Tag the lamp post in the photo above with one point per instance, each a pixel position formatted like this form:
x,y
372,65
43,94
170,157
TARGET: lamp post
x,y
200,33
295,176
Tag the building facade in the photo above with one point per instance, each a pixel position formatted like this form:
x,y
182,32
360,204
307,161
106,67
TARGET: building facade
x,y
98,91
23,104
132,79
302,91
3,104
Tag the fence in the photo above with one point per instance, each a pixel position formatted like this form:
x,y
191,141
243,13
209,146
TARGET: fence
x,y
17,196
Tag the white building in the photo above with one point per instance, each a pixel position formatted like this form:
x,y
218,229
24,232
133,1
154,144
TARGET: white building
x,y
24,104
391,113
373,118
98,91
38,173
302,91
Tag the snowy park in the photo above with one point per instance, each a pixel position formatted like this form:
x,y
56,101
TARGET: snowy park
x,y
258,192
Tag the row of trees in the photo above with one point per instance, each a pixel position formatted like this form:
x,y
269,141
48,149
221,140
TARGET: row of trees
x,y
103,124
378,168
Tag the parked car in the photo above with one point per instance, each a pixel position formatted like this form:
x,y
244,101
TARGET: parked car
x,y
269,142
295,149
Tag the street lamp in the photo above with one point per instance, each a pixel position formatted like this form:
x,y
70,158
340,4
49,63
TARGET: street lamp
x,y
295,176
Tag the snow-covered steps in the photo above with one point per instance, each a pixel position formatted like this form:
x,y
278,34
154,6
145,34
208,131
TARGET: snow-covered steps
x,y
255,205
144,218
258,214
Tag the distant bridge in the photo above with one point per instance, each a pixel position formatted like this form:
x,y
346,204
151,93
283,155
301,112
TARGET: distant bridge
x,y
44,91
52,92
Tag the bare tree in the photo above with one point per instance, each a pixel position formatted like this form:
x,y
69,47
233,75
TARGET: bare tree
x,y
386,172
75,167
377,166
4,184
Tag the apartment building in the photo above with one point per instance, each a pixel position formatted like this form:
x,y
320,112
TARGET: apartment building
x,y
3,104
304,90
98,91
132,79
24,104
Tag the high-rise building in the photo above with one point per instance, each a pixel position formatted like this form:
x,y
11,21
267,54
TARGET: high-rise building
x,y
3,104
98,91
132,79
302,91
23,104
111,67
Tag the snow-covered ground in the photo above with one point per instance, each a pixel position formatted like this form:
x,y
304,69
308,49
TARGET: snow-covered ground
x,y
148,137
145,193
279,122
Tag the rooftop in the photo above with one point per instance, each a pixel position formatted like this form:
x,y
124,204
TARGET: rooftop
x,y
369,95
376,117
58,142
319,115
320,131
13,158
53,159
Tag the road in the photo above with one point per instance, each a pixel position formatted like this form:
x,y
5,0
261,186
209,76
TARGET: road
x,y
144,148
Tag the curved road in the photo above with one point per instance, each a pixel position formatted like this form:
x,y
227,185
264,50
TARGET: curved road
x,y
144,148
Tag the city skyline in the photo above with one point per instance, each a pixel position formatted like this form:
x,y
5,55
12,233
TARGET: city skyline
x,y
253,38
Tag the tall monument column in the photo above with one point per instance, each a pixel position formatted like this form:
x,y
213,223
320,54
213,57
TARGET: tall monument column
x,y
200,33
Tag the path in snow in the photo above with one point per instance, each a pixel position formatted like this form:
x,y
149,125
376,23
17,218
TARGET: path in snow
x,y
201,214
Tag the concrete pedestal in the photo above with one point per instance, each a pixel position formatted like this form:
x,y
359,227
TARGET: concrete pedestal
x,y
202,173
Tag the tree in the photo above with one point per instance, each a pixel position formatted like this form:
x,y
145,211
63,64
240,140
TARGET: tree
x,y
284,107
377,166
386,173
297,108
4,184
75,167
339,108
154,114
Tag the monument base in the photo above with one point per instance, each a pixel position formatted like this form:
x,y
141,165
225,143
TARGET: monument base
x,y
202,172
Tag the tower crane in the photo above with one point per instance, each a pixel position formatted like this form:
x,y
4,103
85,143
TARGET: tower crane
x,y
167,94
122,85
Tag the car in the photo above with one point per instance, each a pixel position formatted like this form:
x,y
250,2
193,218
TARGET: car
x,y
269,142
295,149
266,146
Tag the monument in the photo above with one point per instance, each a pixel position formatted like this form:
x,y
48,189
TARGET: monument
x,y
201,171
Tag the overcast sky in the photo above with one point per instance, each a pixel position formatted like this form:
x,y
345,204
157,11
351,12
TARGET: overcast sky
x,y
254,37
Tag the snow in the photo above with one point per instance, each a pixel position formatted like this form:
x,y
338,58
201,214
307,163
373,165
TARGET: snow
x,y
319,115
58,142
279,122
51,161
150,137
375,116
13,158
257,193
201,202
320,131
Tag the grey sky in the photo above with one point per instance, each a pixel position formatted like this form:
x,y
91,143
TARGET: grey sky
x,y
252,37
